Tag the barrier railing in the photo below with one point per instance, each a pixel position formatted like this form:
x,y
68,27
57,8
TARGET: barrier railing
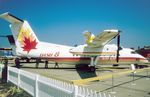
x,y
39,86
1,68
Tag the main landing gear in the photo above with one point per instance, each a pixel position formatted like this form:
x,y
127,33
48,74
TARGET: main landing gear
x,y
88,67
92,68
93,64
17,62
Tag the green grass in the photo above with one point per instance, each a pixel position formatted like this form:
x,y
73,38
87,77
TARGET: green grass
x,y
9,90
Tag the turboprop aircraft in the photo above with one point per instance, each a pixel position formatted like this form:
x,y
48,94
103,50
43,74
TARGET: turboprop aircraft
x,y
95,51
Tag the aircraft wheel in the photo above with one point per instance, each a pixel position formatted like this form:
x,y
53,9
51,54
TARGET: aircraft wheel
x,y
28,60
137,66
17,62
115,65
92,69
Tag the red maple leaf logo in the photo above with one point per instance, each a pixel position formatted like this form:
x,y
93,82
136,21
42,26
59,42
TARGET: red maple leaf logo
x,y
29,44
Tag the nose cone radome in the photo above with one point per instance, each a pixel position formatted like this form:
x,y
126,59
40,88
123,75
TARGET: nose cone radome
x,y
143,59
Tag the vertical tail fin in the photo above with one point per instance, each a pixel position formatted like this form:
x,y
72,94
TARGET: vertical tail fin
x,y
24,36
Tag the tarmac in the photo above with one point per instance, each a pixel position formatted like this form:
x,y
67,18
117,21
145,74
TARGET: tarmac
x,y
121,81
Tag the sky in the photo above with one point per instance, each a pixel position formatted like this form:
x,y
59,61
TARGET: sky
x,y
64,21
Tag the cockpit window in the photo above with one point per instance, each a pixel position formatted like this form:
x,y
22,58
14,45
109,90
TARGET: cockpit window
x,y
133,52
120,48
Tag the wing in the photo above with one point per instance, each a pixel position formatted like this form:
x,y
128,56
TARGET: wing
x,y
103,38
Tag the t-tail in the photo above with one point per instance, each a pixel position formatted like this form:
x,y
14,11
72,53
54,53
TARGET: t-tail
x,y
25,38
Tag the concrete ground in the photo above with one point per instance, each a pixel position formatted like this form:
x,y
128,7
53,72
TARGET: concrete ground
x,y
120,82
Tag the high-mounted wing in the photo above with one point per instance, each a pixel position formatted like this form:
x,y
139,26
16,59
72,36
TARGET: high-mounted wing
x,y
94,45
103,38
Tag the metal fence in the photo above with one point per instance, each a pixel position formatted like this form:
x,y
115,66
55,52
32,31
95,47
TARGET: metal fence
x,y
39,86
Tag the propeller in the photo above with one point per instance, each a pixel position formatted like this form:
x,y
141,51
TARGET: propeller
x,y
118,47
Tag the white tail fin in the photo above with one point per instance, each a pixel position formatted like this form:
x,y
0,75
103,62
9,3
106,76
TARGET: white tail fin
x,y
24,36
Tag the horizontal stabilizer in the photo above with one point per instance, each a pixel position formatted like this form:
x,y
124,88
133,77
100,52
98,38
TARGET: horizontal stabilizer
x,y
10,18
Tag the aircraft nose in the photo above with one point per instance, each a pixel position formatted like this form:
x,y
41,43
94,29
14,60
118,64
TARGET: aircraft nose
x,y
144,60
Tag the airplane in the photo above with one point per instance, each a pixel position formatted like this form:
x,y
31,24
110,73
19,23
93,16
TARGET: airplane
x,y
95,51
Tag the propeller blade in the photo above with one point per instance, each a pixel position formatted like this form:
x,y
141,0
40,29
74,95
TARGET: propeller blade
x,y
118,46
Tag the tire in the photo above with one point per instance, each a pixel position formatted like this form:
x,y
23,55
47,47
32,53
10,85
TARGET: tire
x,y
17,62
92,69
115,65
137,66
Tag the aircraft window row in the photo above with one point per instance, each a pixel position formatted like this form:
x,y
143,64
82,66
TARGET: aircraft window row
x,y
79,55
75,55
108,55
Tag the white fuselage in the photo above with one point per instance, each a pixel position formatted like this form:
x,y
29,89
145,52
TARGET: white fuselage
x,y
95,51
63,54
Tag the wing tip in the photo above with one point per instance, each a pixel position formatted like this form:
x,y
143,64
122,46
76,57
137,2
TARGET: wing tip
x,y
113,30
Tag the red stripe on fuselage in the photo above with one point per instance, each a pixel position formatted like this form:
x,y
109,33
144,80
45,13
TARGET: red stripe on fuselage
x,y
83,59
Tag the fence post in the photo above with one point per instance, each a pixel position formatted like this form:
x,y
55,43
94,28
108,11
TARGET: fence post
x,y
7,74
75,91
0,71
18,84
112,91
147,75
36,86
4,71
1,68
133,79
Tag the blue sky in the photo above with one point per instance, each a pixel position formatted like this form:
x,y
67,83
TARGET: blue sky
x,y
63,21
